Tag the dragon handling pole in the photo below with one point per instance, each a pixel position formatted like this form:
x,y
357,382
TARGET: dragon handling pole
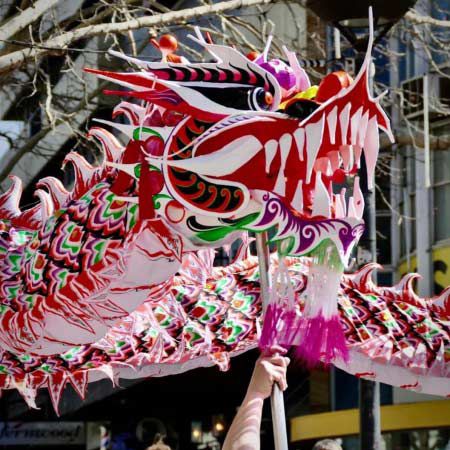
x,y
276,400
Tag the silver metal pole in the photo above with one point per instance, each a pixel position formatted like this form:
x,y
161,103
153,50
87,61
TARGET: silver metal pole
x,y
276,399
369,391
426,130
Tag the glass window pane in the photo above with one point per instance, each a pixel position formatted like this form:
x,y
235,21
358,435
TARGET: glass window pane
x,y
442,212
441,166
408,226
383,240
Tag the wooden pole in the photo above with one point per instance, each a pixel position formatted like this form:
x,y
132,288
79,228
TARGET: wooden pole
x,y
276,399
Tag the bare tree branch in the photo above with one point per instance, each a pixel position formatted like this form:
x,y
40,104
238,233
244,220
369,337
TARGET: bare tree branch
x,y
15,59
419,19
417,141
36,138
25,18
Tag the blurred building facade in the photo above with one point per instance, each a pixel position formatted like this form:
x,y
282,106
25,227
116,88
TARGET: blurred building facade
x,y
413,235
192,409
420,240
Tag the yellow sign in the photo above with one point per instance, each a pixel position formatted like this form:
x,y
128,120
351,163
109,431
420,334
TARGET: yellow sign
x,y
441,268
407,416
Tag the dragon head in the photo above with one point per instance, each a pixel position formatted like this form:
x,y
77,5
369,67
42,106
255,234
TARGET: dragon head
x,y
245,143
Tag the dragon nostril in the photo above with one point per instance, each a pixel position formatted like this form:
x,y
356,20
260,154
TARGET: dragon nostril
x,y
301,108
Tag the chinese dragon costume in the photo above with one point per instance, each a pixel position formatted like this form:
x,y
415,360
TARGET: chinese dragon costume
x,y
116,277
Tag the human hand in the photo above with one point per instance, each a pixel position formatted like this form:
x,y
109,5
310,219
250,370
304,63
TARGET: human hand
x,y
270,368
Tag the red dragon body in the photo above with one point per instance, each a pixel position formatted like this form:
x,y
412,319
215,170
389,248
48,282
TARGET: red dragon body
x,y
115,278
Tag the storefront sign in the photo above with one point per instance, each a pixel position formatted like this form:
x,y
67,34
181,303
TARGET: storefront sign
x,y
42,433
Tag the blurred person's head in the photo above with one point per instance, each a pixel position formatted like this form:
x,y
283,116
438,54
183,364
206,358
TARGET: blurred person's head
x,y
158,443
327,444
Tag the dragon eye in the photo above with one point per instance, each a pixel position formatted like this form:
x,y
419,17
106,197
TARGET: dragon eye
x,y
259,99
268,98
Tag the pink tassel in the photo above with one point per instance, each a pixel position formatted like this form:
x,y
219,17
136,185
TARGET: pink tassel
x,y
291,328
317,332
281,302
322,340
269,334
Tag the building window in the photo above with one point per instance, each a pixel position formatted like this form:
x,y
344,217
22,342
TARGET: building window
x,y
407,205
441,188
383,212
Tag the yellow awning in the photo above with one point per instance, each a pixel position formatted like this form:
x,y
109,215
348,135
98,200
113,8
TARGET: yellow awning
x,y
406,416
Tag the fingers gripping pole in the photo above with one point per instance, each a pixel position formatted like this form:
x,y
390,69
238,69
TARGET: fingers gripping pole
x,y
276,399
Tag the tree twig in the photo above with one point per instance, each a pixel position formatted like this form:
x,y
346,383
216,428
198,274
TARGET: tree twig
x,y
414,17
15,59
25,18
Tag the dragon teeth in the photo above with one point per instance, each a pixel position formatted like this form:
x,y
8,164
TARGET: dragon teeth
x,y
331,121
329,171
321,204
299,136
285,147
344,118
314,132
347,156
343,202
270,150
280,185
324,165
371,149
362,128
339,210
358,150
340,205
334,160
351,208
321,165
354,126
297,201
